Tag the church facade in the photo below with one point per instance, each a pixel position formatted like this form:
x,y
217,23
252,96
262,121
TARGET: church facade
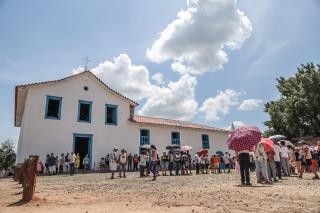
x,y
82,113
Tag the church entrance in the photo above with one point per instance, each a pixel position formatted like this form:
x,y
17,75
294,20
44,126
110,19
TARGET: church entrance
x,y
82,144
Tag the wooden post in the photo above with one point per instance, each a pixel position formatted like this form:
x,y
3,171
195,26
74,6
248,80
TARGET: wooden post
x,y
29,183
23,171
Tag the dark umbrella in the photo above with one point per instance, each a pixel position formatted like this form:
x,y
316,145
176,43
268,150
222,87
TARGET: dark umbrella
x,y
220,153
172,147
244,138
277,138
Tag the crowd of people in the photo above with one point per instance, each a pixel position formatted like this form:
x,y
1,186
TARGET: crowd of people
x,y
269,165
282,160
173,162
66,163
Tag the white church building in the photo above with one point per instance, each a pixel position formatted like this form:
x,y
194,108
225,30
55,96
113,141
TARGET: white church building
x,y
82,113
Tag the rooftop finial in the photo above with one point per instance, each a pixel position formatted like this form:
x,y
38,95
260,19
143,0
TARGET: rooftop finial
x,y
86,60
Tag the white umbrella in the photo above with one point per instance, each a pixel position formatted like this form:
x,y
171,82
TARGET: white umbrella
x,y
185,148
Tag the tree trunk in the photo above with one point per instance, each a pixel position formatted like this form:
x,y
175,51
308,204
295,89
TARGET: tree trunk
x,y
29,178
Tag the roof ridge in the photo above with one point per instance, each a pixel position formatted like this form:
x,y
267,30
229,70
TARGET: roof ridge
x,y
186,122
80,73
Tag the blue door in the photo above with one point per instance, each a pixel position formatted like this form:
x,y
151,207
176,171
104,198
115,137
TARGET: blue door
x,y
82,144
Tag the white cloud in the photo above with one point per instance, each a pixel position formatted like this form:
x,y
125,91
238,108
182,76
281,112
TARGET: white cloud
x,y
250,104
176,101
219,105
123,76
158,78
196,39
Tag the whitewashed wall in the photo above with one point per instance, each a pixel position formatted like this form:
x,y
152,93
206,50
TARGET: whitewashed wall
x,y
42,136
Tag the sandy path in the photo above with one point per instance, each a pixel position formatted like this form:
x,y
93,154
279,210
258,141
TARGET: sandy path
x,y
201,193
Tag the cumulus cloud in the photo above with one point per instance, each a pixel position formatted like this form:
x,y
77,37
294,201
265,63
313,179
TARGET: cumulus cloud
x,y
214,107
250,104
197,38
235,125
123,76
176,101
158,78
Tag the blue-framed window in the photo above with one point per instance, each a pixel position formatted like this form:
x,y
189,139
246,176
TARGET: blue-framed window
x,y
205,141
111,114
175,138
84,111
144,137
53,107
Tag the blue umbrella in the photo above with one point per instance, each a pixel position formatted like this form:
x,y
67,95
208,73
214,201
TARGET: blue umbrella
x,y
219,153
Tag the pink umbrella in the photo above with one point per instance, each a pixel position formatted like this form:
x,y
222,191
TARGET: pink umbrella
x,y
185,148
267,144
202,152
244,138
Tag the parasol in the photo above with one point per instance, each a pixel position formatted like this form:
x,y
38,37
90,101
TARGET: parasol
x,y
185,148
267,144
244,138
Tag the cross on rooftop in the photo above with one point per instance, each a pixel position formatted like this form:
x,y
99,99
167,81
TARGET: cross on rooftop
x,y
86,60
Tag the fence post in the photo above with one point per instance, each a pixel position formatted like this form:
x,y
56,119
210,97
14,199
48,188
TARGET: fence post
x,y
29,183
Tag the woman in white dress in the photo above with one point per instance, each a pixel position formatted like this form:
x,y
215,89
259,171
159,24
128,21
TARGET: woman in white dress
x,y
114,156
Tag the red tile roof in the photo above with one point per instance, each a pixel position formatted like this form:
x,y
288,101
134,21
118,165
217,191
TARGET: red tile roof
x,y
175,123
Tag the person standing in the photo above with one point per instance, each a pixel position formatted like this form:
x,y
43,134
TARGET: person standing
x,y
114,161
142,163
276,159
77,163
72,161
226,159
52,164
39,165
123,160
307,161
47,164
189,162
261,163
130,158
284,153
135,162
61,163
164,164
154,159
86,162
57,165
177,161
244,162
171,162
66,162
207,163
197,161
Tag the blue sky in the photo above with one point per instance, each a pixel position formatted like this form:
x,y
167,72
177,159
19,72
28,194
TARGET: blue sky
x,y
46,40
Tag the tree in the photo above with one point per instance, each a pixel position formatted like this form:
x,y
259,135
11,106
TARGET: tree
x,y
7,155
297,112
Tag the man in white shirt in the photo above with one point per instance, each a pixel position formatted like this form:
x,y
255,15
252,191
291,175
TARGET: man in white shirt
x,y
72,160
276,158
226,159
284,158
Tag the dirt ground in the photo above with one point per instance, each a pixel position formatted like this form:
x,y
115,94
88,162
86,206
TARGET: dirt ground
x,y
195,193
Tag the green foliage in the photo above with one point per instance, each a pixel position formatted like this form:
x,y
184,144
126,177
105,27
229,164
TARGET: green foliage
x,y
7,154
297,112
